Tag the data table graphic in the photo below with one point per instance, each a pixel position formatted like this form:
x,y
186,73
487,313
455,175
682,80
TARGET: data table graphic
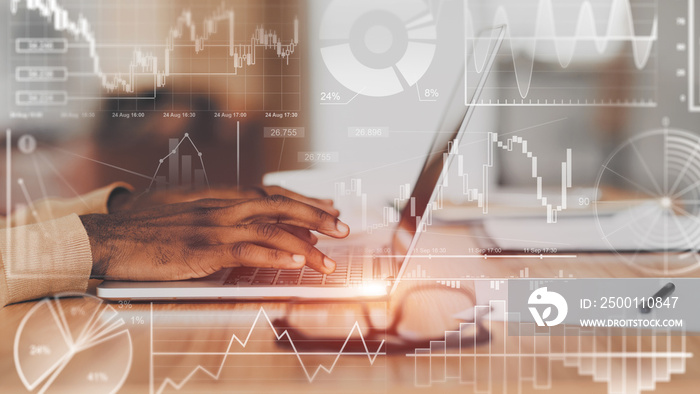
x,y
73,343
71,54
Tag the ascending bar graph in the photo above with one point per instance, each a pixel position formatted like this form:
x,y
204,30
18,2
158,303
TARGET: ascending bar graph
x,y
526,358
451,359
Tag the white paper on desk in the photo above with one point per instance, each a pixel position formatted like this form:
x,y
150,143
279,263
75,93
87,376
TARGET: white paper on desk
x,y
583,234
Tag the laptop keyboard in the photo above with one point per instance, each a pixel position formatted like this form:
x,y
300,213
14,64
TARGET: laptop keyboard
x,y
349,270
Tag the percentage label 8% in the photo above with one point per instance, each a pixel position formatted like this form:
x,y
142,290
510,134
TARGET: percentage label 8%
x,y
431,93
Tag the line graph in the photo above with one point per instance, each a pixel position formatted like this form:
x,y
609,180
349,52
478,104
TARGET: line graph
x,y
479,195
144,69
253,343
564,39
177,178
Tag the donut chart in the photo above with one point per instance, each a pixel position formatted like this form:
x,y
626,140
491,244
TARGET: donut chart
x,y
378,49
72,343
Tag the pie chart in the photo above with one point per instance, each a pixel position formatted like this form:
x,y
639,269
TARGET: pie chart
x,y
378,48
660,173
72,343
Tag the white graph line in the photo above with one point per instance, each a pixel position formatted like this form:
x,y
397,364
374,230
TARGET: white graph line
x,y
63,364
475,256
577,354
174,152
97,320
8,197
42,186
481,196
692,61
311,376
347,102
60,176
30,203
99,162
106,337
565,46
185,28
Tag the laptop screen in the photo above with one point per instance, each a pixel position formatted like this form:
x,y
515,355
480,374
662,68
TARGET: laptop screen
x,y
428,186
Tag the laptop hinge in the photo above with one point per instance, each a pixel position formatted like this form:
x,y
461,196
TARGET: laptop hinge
x,y
395,267
376,268
383,269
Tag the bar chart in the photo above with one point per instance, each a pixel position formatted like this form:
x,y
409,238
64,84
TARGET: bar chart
x,y
181,168
526,359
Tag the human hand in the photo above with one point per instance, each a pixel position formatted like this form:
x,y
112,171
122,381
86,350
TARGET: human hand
x,y
121,202
196,239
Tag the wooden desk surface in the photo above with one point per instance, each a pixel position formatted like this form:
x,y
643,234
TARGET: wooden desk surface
x,y
179,343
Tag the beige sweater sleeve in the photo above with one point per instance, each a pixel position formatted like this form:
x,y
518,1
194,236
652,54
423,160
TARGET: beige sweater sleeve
x,y
40,255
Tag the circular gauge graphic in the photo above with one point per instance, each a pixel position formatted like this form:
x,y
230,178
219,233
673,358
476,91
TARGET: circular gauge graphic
x,y
378,48
72,343
656,225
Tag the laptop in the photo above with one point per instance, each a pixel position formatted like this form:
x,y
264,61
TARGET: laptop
x,y
359,273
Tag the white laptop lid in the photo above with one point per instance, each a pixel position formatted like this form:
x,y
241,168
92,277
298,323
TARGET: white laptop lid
x,y
428,186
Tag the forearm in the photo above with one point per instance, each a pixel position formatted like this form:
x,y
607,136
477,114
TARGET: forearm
x,y
97,201
104,240
43,259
